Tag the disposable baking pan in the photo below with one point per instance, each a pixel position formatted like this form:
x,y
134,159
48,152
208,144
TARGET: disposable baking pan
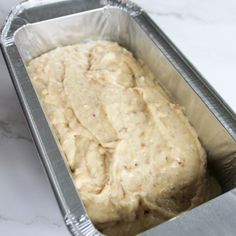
x,y
35,27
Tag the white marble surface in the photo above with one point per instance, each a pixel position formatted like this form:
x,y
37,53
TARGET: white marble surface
x,y
204,30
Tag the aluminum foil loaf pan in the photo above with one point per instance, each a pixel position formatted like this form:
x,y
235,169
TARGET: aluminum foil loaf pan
x,y
35,27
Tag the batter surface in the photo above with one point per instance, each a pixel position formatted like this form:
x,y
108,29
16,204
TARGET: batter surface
x,y
135,159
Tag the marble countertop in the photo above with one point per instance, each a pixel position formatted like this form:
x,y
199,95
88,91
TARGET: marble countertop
x,y
204,30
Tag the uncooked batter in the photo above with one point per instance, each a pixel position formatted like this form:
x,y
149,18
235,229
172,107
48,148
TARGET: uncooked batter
x,y
135,159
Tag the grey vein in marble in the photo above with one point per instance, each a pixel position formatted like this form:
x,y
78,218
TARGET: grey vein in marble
x,y
35,220
176,15
13,130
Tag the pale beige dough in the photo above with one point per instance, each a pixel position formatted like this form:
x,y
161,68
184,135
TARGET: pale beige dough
x,y
135,159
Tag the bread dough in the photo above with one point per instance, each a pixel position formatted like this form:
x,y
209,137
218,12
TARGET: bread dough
x,y
134,158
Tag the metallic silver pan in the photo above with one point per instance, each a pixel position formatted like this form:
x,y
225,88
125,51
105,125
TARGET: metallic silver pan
x,y
35,27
